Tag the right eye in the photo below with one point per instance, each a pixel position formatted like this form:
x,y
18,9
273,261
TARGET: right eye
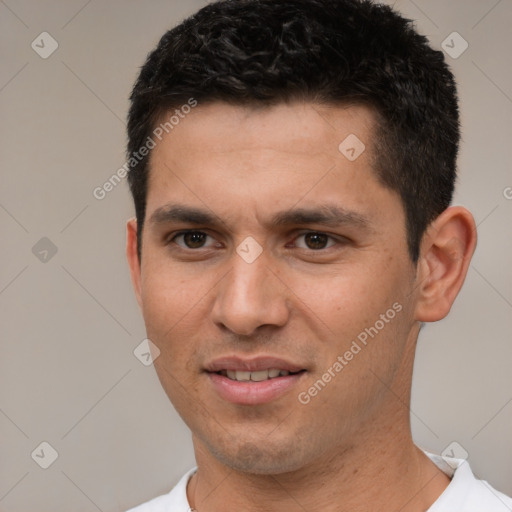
x,y
193,240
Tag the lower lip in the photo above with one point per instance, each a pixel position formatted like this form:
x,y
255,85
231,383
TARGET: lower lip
x,y
250,392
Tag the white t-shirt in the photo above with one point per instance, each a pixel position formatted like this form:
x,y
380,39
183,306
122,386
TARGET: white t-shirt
x,y
465,493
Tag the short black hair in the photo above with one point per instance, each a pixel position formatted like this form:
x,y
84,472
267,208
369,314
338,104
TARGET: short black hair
x,y
263,52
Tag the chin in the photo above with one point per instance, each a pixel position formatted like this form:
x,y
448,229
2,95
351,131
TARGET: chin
x,y
260,458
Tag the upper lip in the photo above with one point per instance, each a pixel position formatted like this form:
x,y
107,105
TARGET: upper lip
x,y
251,364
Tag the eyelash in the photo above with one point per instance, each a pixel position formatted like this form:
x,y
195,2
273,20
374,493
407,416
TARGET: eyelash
x,y
331,238
173,238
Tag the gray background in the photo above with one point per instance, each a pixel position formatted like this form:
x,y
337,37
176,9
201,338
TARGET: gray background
x,y
70,323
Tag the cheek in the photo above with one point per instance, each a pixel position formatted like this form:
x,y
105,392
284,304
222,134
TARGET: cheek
x,y
168,306
171,308
362,316
346,301
177,300
170,293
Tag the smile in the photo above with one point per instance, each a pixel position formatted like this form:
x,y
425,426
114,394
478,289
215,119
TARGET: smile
x,y
257,376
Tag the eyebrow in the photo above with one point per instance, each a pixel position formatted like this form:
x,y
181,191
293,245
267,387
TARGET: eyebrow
x,y
328,215
181,213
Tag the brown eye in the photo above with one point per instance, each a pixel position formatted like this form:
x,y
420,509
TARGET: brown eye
x,y
191,240
194,240
316,241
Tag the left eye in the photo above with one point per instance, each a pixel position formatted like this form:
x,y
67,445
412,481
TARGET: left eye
x,y
192,240
314,241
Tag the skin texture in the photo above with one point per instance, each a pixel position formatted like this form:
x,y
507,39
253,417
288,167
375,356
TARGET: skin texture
x,y
350,447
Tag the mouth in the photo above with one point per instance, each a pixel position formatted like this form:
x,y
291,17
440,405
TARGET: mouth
x,y
257,376
253,381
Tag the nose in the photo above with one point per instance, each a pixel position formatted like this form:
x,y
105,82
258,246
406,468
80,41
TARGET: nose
x,y
250,296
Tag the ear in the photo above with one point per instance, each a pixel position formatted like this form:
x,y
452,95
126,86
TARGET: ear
x,y
133,258
445,254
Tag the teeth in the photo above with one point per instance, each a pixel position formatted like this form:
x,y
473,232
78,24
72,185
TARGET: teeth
x,y
242,376
258,376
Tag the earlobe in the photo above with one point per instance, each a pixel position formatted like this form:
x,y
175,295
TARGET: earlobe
x,y
446,251
133,258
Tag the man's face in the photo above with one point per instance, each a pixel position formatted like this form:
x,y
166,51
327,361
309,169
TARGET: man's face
x,y
293,252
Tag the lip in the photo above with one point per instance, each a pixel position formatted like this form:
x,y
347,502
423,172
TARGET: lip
x,y
251,364
252,393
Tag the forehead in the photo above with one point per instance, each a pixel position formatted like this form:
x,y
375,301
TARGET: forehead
x,y
226,158
303,128
244,140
